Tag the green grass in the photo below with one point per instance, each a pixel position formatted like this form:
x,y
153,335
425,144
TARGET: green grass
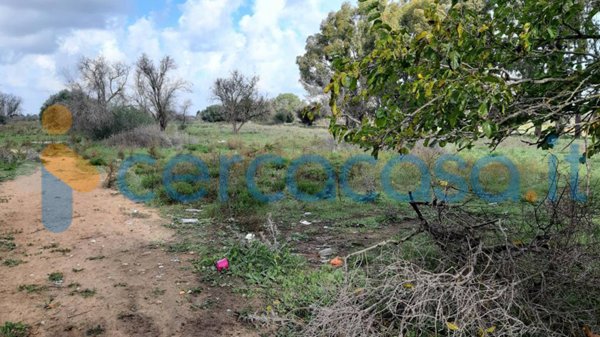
x,y
10,329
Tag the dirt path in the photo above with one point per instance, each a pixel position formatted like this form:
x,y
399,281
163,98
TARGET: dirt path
x,y
117,279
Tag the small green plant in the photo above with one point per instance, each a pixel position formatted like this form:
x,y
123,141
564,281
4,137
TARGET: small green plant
x,y
12,262
53,245
263,265
56,277
32,288
95,331
61,250
10,329
85,293
7,244
98,161
195,291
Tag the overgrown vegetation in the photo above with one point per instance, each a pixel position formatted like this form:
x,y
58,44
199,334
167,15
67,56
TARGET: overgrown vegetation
x,y
10,329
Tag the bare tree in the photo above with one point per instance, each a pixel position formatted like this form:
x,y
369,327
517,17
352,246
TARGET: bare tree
x,y
10,106
156,91
102,80
240,99
185,109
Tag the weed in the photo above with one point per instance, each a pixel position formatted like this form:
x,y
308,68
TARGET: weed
x,y
32,288
10,329
56,277
61,250
98,161
95,331
195,291
262,265
12,262
85,293
7,243
51,246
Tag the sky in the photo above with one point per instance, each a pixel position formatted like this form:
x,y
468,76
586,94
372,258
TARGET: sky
x,y
41,41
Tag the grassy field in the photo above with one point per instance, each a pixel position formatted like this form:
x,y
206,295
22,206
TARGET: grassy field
x,y
291,278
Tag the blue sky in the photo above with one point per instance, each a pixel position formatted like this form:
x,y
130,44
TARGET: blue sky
x,y
207,38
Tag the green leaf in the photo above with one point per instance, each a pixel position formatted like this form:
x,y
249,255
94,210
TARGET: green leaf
x,y
454,60
424,34
488,130
483,110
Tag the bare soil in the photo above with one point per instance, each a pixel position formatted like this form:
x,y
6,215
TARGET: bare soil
x,y
118,278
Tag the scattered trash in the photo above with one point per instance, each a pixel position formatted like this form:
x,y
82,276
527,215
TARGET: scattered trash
x,y
325,253
250,237
222,265
307,213
189,221
337,262
193,210
305,223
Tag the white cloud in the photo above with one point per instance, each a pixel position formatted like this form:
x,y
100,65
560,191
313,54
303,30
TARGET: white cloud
x,y
210,38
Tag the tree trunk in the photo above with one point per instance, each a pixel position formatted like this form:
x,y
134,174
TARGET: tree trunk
x,y
538,131
162,123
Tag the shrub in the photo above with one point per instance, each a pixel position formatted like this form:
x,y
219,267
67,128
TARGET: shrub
x,y
145,136
151,181
212,114
126,118
98,161
92,120
310,114
281,117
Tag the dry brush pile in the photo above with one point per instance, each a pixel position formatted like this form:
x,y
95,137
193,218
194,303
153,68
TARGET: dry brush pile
x,y
475,274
